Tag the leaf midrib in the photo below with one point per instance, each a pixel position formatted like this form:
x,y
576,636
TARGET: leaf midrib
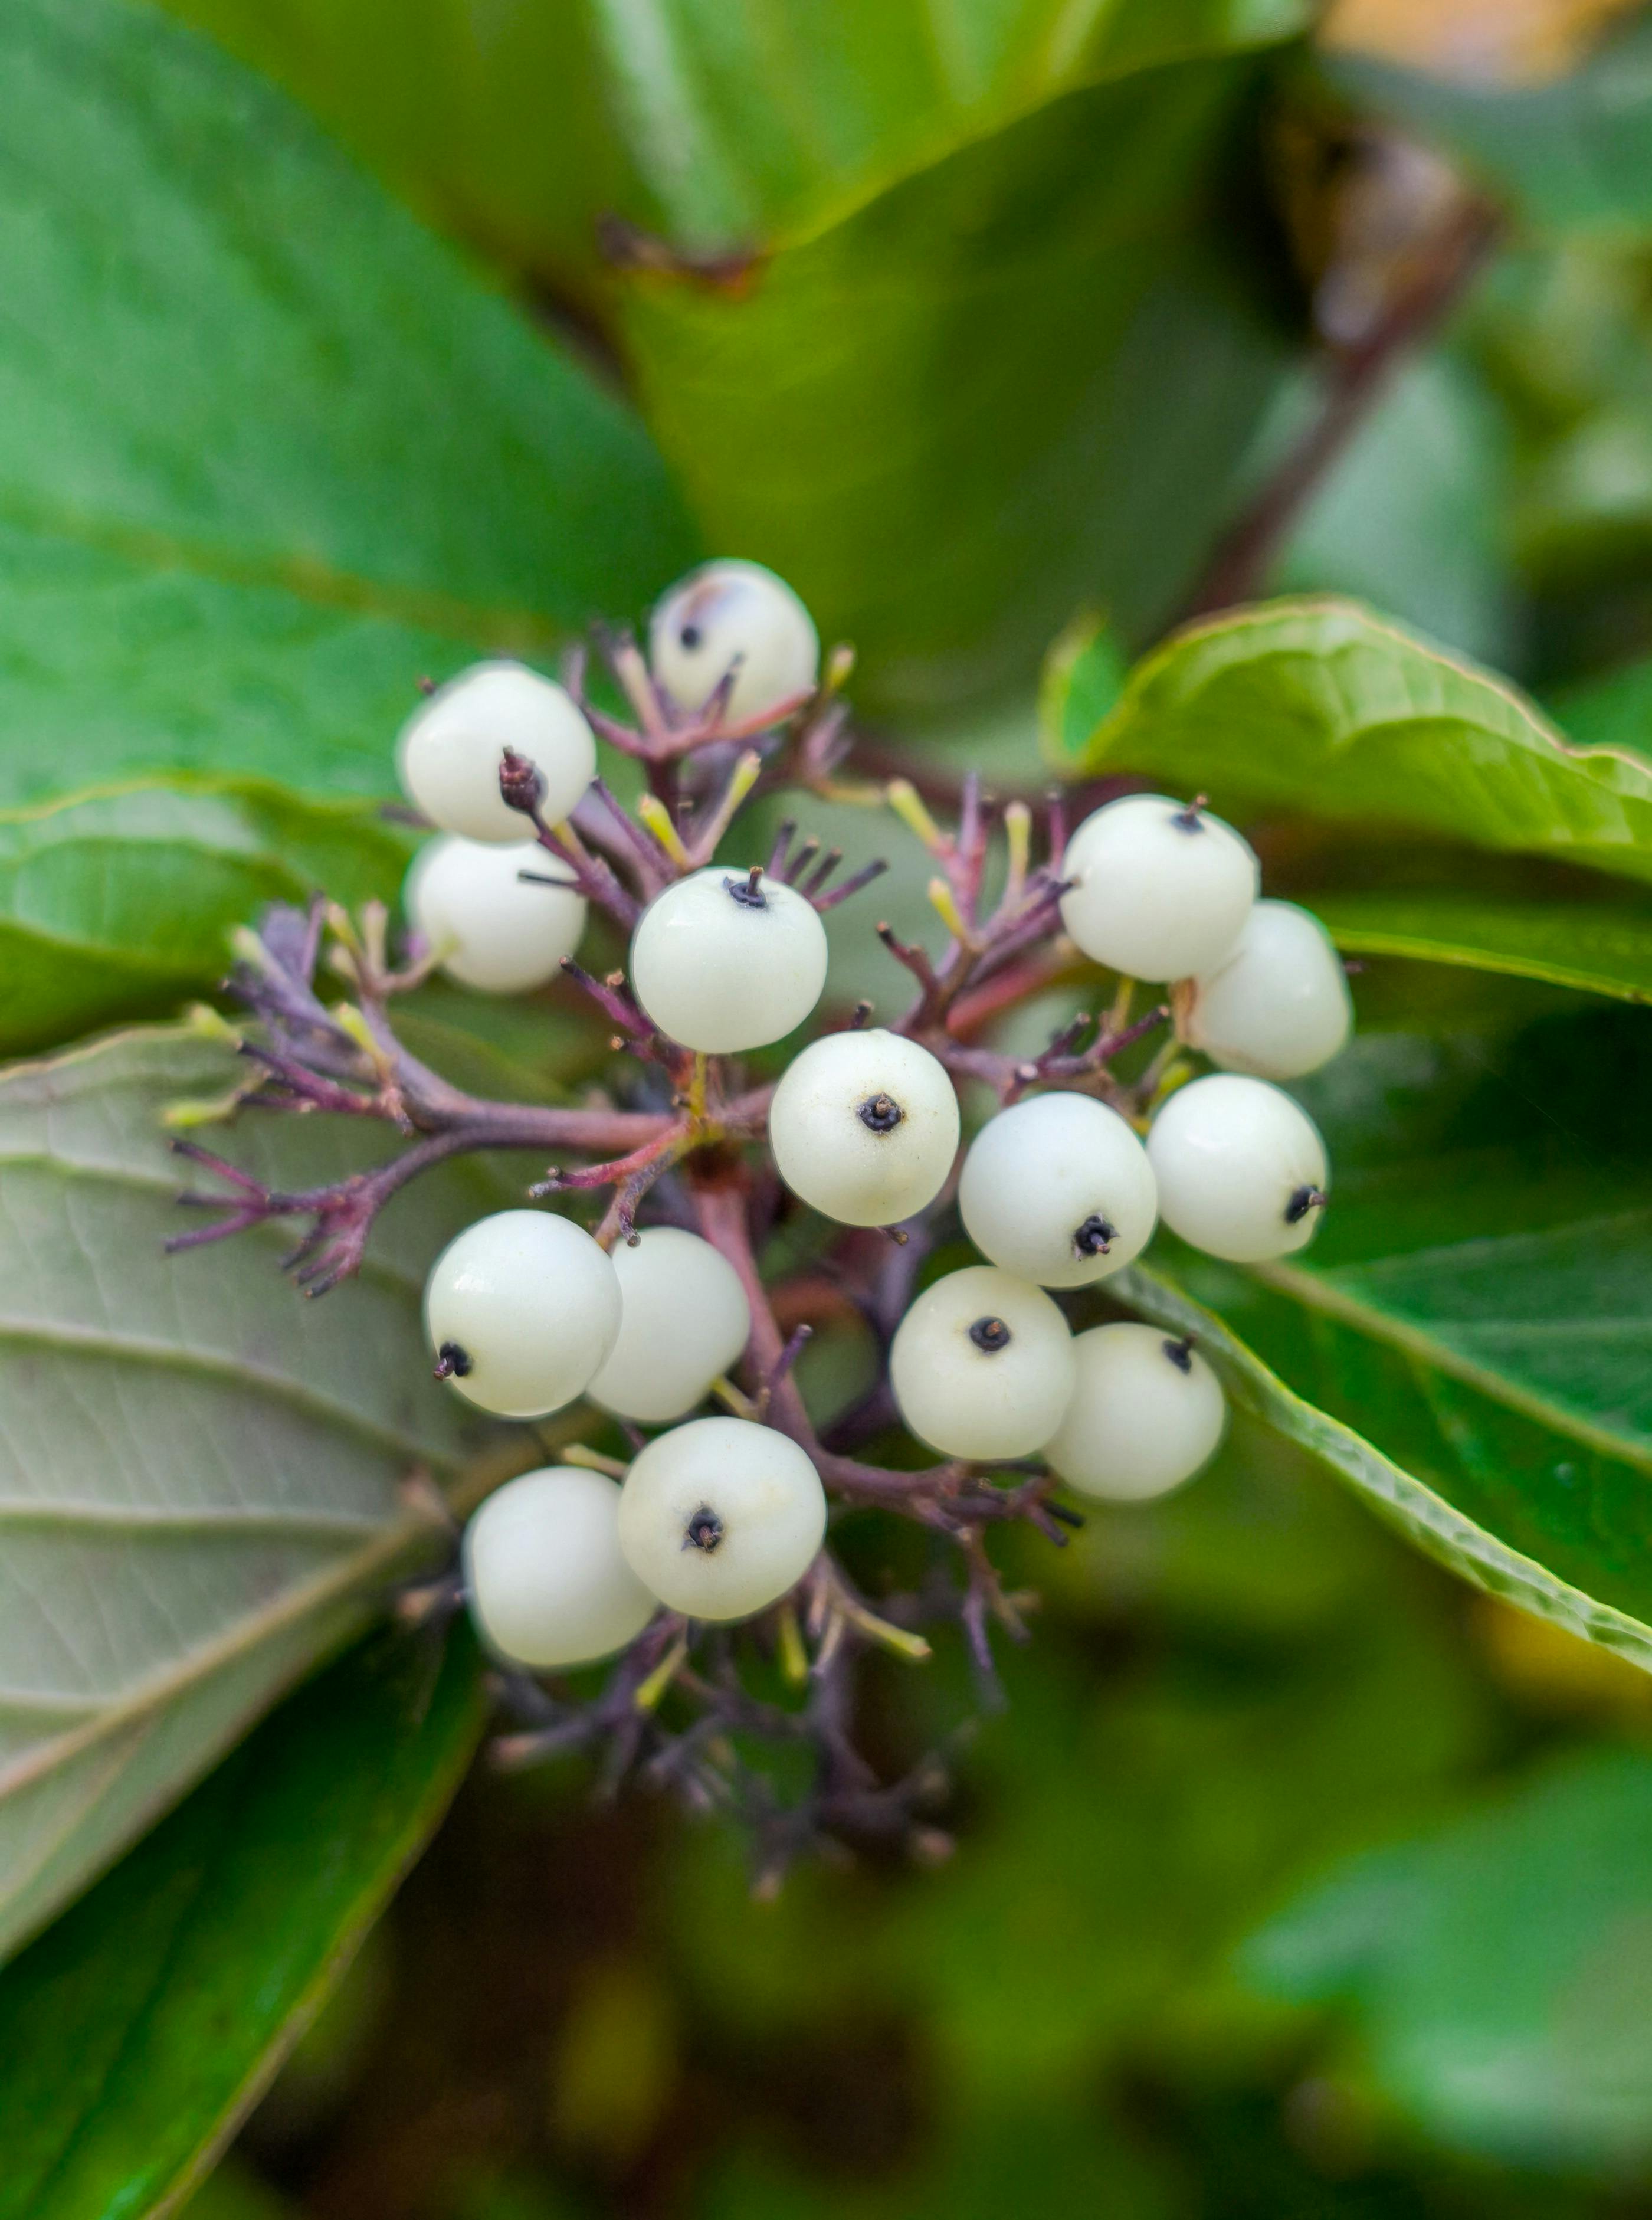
x,y
1431,1518
306,1600
1315,1294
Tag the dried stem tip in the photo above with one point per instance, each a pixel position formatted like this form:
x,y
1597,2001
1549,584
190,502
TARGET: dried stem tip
x,y
704,1529
1095,1237
880,1113
521,786
749,890
453,1362
1305,1200
990,1335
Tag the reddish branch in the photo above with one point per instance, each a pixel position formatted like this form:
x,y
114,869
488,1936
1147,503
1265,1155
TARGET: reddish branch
x,y
695,1121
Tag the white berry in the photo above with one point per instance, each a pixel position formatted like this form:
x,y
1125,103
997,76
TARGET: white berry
x,y
1146,1413
684,1320
740,617
982,1365
492,928
864,1126
543,1575
1278,1004
450,750
720,1517
1241,1169
1162,888
728,960
1059,1189
521,1309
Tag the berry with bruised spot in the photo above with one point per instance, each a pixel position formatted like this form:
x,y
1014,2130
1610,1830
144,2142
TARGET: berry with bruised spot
x,y
733,618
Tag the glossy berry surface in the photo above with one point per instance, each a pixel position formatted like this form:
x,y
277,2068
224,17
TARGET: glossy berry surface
x,y
492,928
728,960
1059,1189
521,1310
982,1365
719,1517
450,749
684,1319
864,1127
1162,889
544,1576
1146,1413
1241,1168
738,617
1277,1006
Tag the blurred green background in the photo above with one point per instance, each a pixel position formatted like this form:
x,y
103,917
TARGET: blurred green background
x,y
1295,1879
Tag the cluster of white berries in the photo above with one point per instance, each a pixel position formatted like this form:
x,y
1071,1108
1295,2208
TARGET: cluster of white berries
x,y
717,1517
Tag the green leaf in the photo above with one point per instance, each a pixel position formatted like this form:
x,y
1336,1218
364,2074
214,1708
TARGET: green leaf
x,y
1495,1968
267,450
120,905
1411,517
719,127
1018,381
199,1472
1613,712
1084,674
1575,153
1604,948
136,2033
947,436
1326,709
1466,1341
1443,1489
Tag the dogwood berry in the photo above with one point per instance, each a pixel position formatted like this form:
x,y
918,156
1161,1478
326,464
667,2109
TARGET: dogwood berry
x,y
521,1309
728,959
544,1576
684,1319
1147,1412
1059,1189
1241,1169
451,747
1278,1005
493,928
720,1517
864,1126
982,1365
1160,889
737,617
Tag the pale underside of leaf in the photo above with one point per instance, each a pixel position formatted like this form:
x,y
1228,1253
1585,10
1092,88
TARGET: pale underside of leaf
x,y
137,2032
200,1474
